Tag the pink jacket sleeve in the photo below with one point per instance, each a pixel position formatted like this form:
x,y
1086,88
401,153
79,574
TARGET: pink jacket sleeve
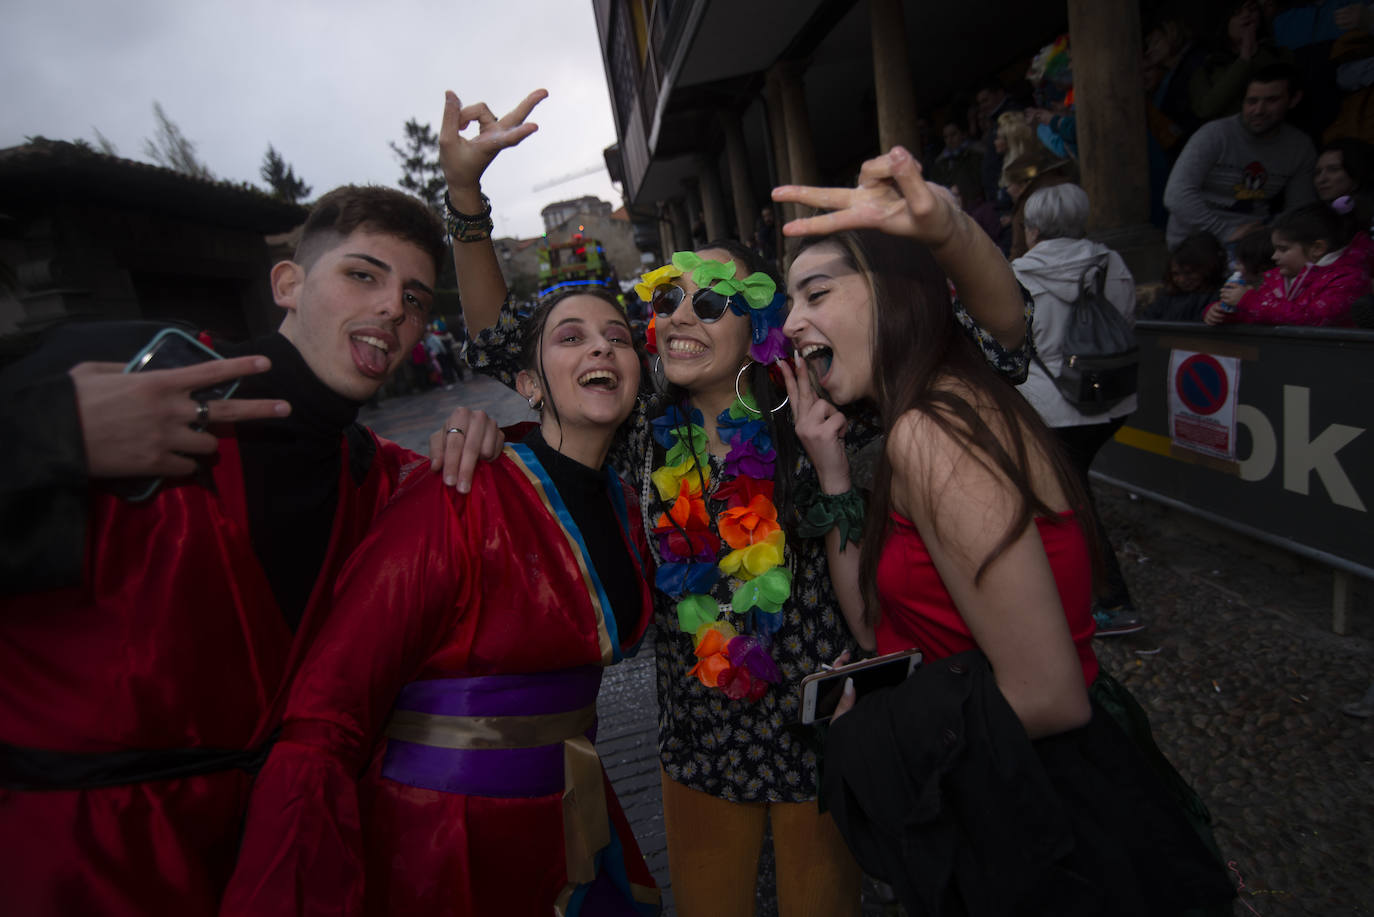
x,y
1323,297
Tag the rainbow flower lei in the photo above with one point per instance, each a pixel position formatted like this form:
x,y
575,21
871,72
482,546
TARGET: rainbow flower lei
x,y
748,532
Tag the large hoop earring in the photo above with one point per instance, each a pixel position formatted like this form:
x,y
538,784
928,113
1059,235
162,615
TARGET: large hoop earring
x,y
755,412
657,377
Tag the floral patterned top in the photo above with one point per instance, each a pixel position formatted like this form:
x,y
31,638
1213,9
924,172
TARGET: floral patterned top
x,y
737,750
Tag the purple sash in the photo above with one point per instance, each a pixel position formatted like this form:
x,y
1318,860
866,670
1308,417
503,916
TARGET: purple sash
x,y
491,735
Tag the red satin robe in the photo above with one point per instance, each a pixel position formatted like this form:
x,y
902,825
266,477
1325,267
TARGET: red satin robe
x,y
174,641
446,586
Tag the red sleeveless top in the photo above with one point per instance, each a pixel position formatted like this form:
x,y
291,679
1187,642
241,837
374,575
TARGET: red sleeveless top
x,y
918,610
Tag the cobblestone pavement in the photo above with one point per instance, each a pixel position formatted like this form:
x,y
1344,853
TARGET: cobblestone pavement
x,y
410,419
1245,694
1239,670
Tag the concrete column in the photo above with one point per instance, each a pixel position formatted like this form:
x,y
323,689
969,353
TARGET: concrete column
x,y
665,233
1105,37
892,82
692,202
801,150
741,194
787,96
1110,108
712,203
777,136
682,226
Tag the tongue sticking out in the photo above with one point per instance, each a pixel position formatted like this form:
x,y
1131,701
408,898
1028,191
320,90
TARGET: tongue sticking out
x,y
817,368
369,359
820,361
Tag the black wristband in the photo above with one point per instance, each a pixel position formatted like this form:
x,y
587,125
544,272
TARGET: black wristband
x,y
463,227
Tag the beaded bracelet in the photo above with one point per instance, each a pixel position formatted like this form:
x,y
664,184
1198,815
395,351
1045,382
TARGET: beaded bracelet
x,y
464,227
826,511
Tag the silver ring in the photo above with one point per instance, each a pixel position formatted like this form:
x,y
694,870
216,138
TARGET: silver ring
x,y
454,430
202,415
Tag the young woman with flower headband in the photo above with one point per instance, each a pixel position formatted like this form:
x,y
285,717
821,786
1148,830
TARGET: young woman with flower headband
x,y
744,604
995,780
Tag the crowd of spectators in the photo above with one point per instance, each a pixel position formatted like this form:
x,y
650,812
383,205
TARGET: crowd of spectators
x,y
1260,119
435,360
1254,111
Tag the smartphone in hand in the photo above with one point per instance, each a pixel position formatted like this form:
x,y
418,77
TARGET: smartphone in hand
x,y
821,691
171,348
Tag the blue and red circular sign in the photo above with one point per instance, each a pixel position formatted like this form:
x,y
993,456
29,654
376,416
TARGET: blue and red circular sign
x,y
1202,384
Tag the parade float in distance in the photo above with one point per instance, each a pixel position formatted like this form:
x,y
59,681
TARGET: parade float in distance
x,y
578,262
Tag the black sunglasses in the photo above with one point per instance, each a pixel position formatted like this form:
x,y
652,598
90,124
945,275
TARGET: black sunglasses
x,y
706,303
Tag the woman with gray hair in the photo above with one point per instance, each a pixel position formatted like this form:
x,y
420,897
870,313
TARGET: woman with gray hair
x,y
1058,265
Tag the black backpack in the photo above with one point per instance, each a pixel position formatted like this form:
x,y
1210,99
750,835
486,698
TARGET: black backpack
x,y
1099,350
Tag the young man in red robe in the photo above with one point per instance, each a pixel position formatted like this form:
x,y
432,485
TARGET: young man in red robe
x,y
136,702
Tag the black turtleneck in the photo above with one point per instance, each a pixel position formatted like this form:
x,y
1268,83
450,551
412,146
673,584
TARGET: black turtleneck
x,y
291,470
583,491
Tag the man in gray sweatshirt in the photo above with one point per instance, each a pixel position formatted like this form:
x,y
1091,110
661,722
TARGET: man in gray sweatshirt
x,y
1233,168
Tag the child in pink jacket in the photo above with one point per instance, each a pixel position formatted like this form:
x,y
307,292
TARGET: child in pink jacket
x,y
1320,269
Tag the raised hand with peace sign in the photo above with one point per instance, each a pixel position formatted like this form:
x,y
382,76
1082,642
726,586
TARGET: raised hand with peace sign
x,y
481,284
147,424
892,196
465,159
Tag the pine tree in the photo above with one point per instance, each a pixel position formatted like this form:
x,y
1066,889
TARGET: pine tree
x,y
170,148
421,173
281,178
104,143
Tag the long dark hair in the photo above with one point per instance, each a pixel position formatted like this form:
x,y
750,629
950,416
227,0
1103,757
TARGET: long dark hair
x,y
916,342
768,395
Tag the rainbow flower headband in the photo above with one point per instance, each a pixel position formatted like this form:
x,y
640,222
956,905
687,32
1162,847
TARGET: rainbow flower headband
x,y
758,290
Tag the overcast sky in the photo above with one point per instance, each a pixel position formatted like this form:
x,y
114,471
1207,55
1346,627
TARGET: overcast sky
x,y
326,83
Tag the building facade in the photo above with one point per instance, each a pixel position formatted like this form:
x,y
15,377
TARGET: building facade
x,y
715,103
560,212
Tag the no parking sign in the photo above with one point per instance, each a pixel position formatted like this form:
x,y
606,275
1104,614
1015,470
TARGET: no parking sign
x,y
1202,402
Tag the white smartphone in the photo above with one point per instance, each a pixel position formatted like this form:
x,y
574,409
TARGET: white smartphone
x,y
821,691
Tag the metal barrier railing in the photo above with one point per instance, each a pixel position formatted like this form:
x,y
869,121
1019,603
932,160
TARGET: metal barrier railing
x,y
1264,432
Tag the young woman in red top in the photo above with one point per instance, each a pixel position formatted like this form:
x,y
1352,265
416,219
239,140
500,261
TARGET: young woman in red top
x,y
970,491
973,548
